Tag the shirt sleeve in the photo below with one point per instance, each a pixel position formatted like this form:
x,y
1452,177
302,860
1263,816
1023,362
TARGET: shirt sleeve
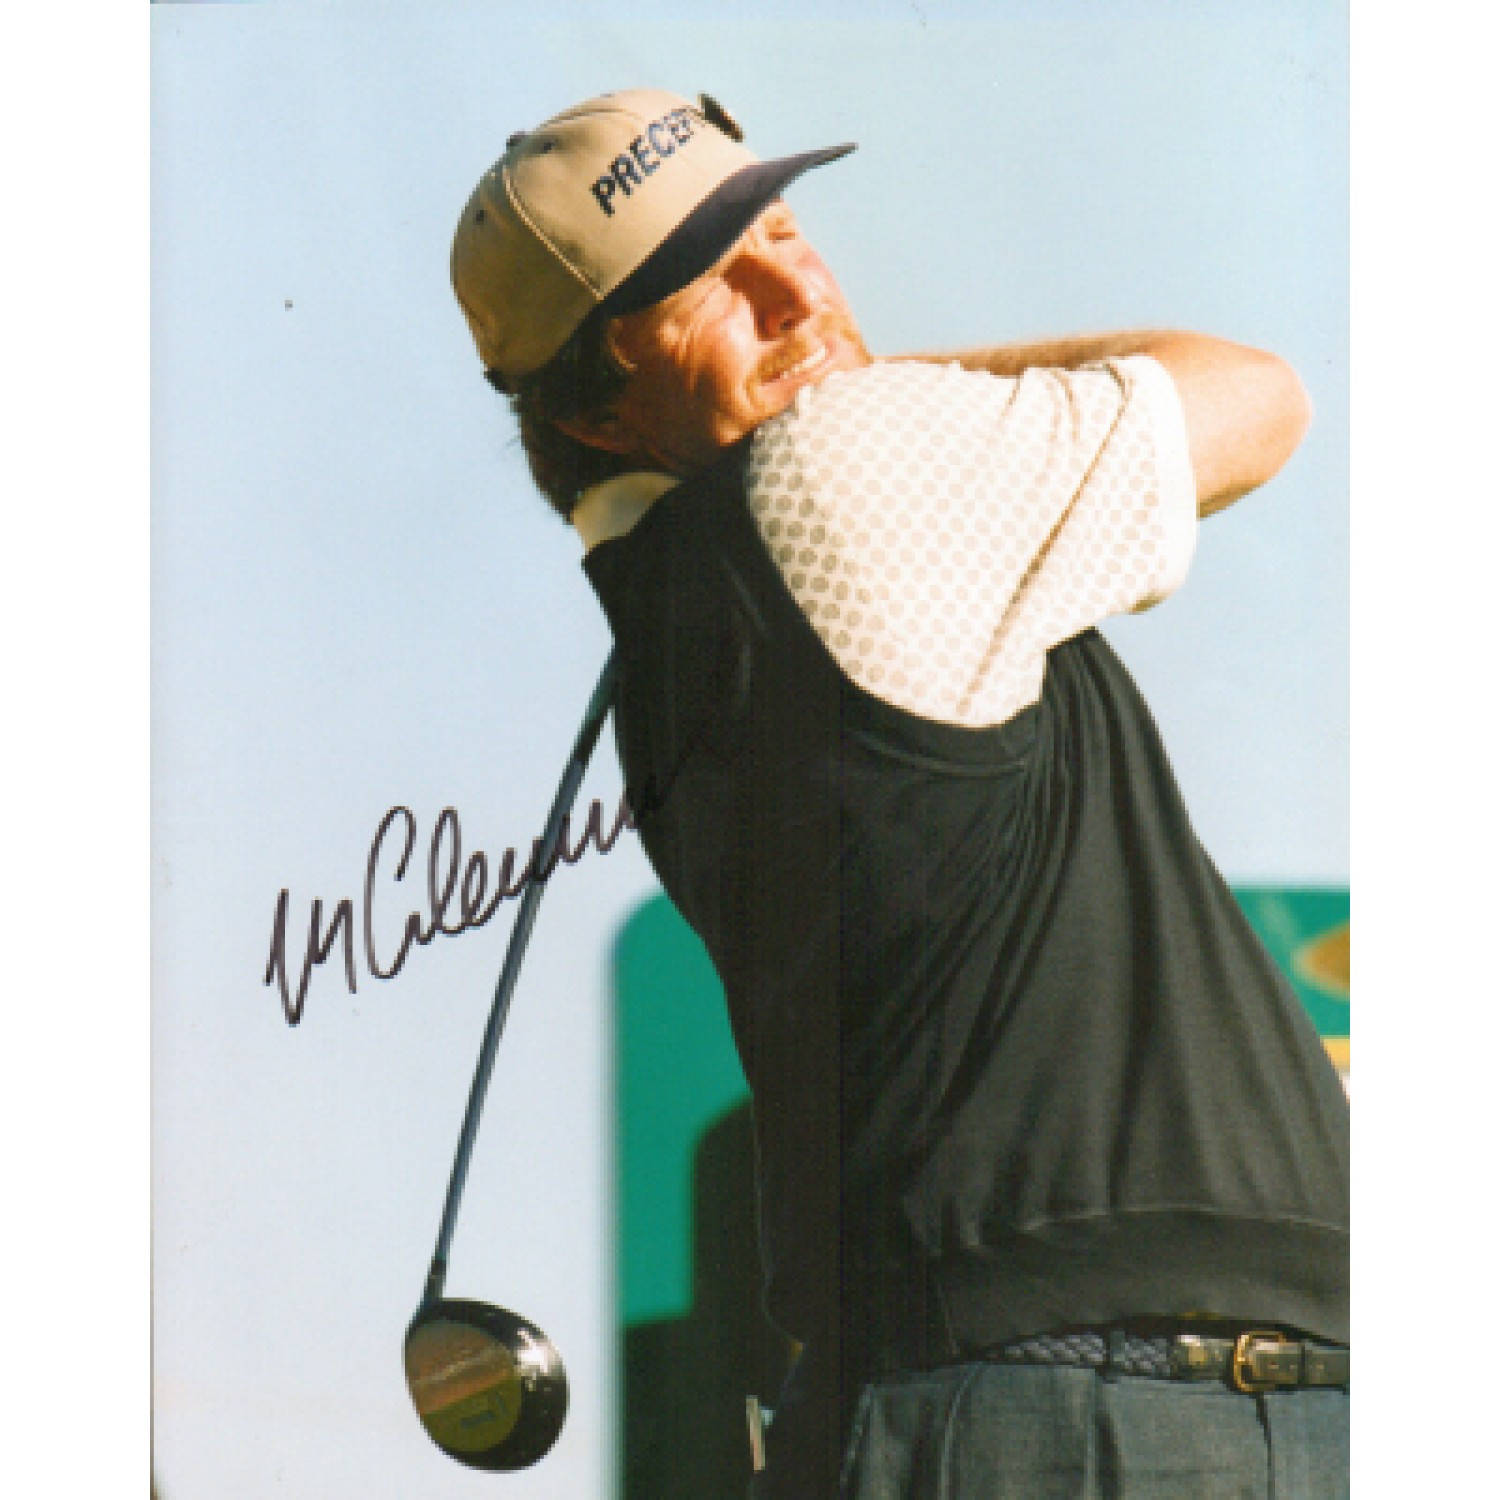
x,y
942,529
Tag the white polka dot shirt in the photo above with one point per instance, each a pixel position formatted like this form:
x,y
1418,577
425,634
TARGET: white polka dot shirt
x,y
942,528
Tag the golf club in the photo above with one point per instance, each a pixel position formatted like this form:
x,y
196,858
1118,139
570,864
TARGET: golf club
x,y
488,1385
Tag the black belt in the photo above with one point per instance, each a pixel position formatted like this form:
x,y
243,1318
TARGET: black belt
x,y
1253,1361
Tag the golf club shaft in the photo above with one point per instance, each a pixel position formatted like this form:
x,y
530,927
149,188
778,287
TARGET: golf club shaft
x,y
545,860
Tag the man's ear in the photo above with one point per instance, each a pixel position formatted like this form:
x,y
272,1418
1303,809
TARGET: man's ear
x,y
607,430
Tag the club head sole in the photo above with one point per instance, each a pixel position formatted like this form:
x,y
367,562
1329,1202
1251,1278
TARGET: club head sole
x,y
488,1385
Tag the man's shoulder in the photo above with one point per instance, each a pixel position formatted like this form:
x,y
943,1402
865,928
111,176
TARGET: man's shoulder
x,y
885,399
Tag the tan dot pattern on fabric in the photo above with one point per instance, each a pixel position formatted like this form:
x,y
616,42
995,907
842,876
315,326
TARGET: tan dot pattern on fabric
x,y
942,528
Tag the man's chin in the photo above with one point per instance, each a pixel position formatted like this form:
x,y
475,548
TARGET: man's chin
x,y
831,355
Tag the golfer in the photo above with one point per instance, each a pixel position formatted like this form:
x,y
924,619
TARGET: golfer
x,y
1052,1166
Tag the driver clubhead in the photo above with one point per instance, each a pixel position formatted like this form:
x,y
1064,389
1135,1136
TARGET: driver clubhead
x,y
488,1385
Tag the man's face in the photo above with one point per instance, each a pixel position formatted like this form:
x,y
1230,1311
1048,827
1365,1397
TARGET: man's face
x,y
715,360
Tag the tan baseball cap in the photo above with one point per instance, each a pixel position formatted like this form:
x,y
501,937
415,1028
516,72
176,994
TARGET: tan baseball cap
x,y
619,201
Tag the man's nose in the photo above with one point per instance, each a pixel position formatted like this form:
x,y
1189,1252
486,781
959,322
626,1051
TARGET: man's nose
x,y
783,293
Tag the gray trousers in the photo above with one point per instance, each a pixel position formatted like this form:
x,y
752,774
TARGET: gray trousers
x,y
1022,1432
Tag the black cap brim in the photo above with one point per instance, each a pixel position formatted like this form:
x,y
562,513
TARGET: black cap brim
x,y
710,229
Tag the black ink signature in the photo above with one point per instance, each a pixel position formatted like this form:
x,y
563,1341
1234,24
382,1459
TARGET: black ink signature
x,y
444,856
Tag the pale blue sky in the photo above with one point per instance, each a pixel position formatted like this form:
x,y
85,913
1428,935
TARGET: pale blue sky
x,y
358,601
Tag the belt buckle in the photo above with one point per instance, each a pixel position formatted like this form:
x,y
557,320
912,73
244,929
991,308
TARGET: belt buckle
x,y
1241,1366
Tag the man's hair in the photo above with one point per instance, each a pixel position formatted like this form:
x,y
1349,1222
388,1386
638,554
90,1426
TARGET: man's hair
x,y
583,379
